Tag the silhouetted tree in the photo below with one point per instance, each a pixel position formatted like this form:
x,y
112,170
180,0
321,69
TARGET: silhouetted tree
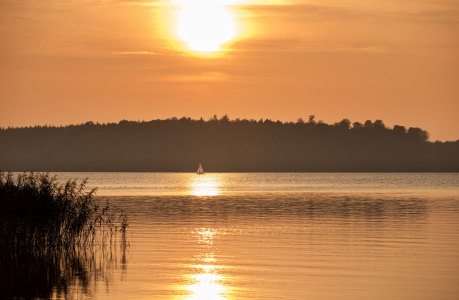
x,y
379,124
418,134
225,118
399,129
344,124
368,124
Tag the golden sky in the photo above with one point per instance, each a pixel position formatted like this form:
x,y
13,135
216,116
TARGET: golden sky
x,y
73,61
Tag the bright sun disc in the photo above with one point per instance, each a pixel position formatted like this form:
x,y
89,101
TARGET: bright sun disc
x,y
205,27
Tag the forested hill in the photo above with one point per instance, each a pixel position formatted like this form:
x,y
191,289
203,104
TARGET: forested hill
x,y
224,145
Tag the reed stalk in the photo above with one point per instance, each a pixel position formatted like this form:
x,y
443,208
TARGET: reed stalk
x,y
38,213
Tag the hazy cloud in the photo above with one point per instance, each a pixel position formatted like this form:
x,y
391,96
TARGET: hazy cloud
x,y
205,77
137,53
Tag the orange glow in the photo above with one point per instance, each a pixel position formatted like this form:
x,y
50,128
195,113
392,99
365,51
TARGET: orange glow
x,y
207,283
277,59
205,28
206,185
207,287
205,25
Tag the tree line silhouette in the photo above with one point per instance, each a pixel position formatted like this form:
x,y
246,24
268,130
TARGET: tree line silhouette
x,y
224,145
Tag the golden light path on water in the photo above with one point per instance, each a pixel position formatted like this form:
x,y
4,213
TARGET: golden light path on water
x,y
206,185
205,25
206,283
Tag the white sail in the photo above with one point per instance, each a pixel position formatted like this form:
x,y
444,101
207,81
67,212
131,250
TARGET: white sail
x,y
200,170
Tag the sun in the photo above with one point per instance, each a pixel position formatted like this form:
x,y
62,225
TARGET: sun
x,y
205,25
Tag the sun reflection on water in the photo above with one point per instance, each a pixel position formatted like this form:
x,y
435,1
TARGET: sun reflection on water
x,y
206,185
207,283
207,286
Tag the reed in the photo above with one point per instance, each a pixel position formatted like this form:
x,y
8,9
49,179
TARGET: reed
x,y
38,213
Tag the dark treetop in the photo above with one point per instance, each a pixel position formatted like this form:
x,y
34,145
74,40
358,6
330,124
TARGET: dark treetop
x,y
224,145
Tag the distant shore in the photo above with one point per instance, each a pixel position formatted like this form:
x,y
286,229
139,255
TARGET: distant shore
x,y
224,145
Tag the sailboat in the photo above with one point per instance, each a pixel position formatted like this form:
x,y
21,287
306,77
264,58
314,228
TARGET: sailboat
x,y
200,169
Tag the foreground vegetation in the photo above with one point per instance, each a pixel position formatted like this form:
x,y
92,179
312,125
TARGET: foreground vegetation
x,y
55,240
225,145
37,213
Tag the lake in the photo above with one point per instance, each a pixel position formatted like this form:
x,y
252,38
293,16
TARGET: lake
x,y
268,236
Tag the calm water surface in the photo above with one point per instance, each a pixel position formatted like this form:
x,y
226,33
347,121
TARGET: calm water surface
x,y
130,184
278,236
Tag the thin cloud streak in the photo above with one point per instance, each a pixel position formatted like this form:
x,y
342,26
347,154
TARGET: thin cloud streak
x,y
205,77
137,53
